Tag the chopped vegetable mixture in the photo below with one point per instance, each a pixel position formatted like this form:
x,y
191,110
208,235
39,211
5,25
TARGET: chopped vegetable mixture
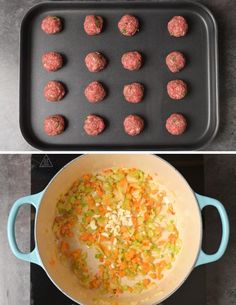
x,y
116,230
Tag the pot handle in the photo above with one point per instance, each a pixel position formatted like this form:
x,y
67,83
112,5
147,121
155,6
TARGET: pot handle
x,y
204,258
33,256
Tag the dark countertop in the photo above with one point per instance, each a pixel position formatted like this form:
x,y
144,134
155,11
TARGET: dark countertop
x,y
11,14
220,176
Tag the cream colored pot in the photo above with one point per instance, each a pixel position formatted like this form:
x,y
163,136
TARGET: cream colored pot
x,y
188,210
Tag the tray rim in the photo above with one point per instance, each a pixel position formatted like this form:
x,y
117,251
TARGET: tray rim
x,y
58,147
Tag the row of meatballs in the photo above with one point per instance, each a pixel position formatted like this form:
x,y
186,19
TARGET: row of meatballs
x,y
94,124
128,25
95,61
95,92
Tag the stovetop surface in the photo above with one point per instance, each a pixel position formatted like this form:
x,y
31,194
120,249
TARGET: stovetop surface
x,y
43,291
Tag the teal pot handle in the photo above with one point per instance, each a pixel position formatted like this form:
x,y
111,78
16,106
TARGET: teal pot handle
x,y
204,258
33,256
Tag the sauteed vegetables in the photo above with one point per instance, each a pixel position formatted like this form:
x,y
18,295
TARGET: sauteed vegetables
x,y
116,229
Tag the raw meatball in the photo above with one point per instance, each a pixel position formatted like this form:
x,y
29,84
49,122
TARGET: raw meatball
x,y
133,93
132,60
54,125
93,25
178,26
177,89
51,25
176,124
94,125
54,91
175,61
95,62
133,125
52,61
128,25
95,92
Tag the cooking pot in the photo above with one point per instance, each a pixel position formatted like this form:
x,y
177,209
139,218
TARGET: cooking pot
x,y
189,220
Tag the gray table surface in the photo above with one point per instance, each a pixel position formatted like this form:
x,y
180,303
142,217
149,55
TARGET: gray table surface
x,y
11,13
220,177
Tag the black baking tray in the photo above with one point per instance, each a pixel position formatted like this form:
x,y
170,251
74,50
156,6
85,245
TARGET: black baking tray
x,y
201,74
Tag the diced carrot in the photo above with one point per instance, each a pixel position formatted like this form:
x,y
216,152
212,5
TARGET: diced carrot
x,y
150,202
64,247
86,177
145,267
105,249
95,283
121,273
161,243
158,230
78,210
115,252
108,170
172,238
123,229
161,265
123,266
153,275
85,236
88,218
170,209
150,259
99,191
146,282
123,183
130,254
90,201
102,210
134,220
101,269
103,238
146,242
76,253
137,260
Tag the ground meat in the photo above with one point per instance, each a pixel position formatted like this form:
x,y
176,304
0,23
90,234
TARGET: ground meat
x,y
52,61
95,92
128,25
54,91
177,89
93,25
54,125
176,124
132,60
133,124
133,93
95,62
175,61
178,26
51,25
93,125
